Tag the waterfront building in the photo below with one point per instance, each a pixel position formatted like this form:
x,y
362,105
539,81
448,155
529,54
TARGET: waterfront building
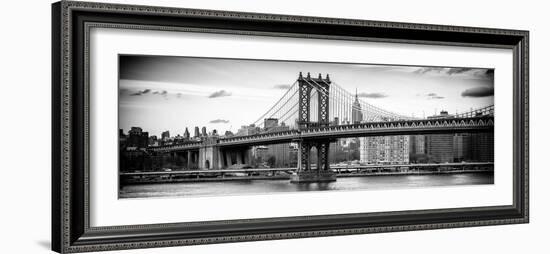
x,y
440,148
462,148
482,147
384,150
417,149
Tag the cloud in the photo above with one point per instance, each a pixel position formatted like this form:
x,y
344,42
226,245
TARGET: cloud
x,y
434,96
477,92
219,121
452,71
281,86
141,92
443,70
372,95
220,93
424,70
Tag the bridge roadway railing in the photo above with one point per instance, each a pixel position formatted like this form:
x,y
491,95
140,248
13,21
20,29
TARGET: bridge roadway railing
x,y
424,126
177,147
410,127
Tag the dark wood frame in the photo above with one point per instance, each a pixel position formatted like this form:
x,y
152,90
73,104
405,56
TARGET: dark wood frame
x,y
70,198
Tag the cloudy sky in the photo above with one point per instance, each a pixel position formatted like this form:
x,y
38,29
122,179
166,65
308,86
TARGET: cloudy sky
x,y
161,93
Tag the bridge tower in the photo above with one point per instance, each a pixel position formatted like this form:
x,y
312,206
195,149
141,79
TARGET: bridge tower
x,y
305,173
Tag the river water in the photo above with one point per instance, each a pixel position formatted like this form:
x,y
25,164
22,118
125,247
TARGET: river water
x,y
242,187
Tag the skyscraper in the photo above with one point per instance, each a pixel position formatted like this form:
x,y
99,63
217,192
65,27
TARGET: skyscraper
x,y
417,149
204,133
165,135
356,114
197,133
439,147
246,130
270,123
461,147
186,134
384,150
482,147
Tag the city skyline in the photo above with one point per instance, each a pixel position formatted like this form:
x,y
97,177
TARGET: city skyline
x,y
161,93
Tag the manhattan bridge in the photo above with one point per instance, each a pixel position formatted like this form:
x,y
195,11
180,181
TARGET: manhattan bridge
x,y
316,111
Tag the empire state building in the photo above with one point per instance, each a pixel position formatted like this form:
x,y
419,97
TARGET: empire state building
x,y
356,114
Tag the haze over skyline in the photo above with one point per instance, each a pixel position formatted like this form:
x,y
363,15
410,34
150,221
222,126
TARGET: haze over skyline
x,y
159,93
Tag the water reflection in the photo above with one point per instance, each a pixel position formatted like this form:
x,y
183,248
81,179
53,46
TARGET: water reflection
x,y
275,186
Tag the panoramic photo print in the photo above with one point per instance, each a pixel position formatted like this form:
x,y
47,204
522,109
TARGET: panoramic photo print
x,y
191,126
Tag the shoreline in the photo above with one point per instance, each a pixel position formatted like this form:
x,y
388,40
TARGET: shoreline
x,y
287,177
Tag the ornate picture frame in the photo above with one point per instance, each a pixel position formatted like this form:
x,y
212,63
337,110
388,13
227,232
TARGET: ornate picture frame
x,y
71,24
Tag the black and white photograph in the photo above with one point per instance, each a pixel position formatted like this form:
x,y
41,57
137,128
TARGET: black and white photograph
x,y
197,126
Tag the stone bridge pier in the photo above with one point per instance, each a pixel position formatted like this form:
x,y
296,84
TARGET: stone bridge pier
x,y
305,172
187,159
212,156
236,156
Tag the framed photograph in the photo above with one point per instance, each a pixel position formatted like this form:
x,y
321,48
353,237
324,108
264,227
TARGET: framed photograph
x,y
182,126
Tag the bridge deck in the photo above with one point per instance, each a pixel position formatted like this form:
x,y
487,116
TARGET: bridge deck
x,y
410,127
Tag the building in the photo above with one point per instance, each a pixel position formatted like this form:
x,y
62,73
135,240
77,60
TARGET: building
x,y
440,148
137,138
336,121
356,113
122,137
417,149
197,133
459,147
482,147
462,147
186,134
384,150
204,133
153,141
165,136
270,123
248,130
